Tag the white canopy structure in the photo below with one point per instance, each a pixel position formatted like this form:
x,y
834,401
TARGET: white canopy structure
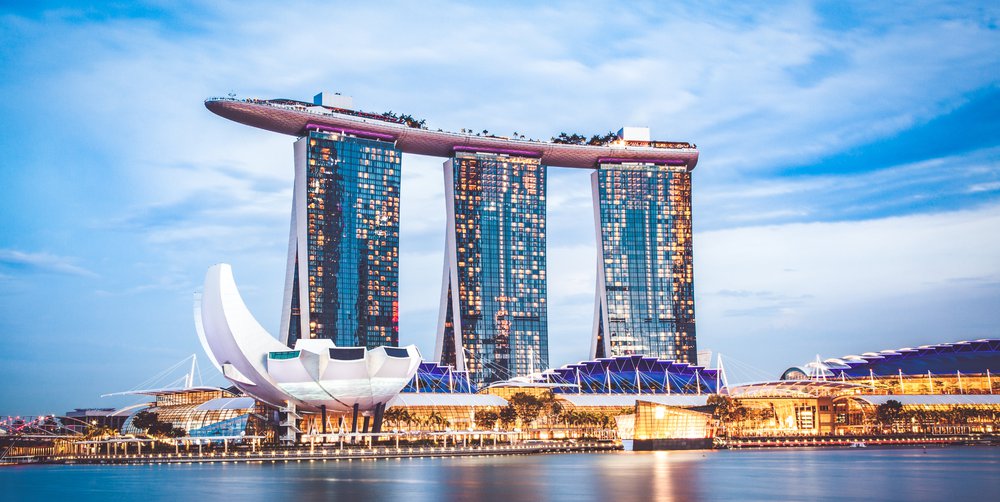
x,y
314,374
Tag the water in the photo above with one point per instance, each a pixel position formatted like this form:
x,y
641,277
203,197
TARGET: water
x,y
959,473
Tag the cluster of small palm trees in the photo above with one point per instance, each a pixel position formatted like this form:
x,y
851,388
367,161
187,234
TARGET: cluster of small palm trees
x,y
590,419
99,432
398,417
734,417
407,119
544,411
578,139
151,424
524,410
893,416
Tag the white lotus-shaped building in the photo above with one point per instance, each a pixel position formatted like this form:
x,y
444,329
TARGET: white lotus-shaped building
x,y
312,375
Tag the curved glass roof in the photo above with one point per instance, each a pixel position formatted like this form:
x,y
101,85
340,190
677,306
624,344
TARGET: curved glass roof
x,y
976,356
634,374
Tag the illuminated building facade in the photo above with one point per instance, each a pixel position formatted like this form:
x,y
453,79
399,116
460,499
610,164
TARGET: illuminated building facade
x,y
634,374
662,427
492,321
965,357
206,412
434,378
342,279
645,277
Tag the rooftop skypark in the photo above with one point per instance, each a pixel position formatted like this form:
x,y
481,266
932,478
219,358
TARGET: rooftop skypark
x,y
611,138
337,114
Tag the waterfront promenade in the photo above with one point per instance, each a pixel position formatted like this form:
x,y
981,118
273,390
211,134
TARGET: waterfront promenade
x,y
323,453
332,452
767,474
845,441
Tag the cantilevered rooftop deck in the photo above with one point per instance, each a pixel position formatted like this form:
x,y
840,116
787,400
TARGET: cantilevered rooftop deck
x,y
293,118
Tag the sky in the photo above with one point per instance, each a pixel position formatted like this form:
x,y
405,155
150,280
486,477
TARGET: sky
x,y
847,197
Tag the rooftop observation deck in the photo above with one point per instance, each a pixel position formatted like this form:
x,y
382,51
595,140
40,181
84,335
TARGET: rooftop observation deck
x,y
296,117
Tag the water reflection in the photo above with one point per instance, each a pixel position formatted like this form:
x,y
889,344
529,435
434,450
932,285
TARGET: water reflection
x,y
803,474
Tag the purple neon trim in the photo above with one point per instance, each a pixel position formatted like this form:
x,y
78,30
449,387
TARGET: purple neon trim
x,y
356,132
523,153
616,160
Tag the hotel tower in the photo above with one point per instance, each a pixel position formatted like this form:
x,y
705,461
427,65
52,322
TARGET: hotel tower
x,y
645,271
493,319
342,278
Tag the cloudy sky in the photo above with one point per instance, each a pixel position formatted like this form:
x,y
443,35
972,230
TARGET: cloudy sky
x,y
847,198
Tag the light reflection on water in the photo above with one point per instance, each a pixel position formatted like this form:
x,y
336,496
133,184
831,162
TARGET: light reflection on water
x,y
971,473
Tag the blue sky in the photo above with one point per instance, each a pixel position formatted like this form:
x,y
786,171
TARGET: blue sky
x,y
847,198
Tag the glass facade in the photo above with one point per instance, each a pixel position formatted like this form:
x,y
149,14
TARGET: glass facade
x,y
633,374
228,427
658,421
432,377
208,414
348,207
978,356
645,297
495,287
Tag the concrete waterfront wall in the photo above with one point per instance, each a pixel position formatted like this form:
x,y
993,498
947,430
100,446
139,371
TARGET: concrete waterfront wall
x,y
333,453
671,444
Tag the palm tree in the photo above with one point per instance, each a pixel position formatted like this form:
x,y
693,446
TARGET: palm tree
x,y
888,413
397,416
554,412
486,419
527,407
437,420
507,415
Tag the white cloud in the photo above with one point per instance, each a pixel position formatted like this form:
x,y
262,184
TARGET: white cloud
x,y
43,262
741,202
856,261
722,82
827,286
984,187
